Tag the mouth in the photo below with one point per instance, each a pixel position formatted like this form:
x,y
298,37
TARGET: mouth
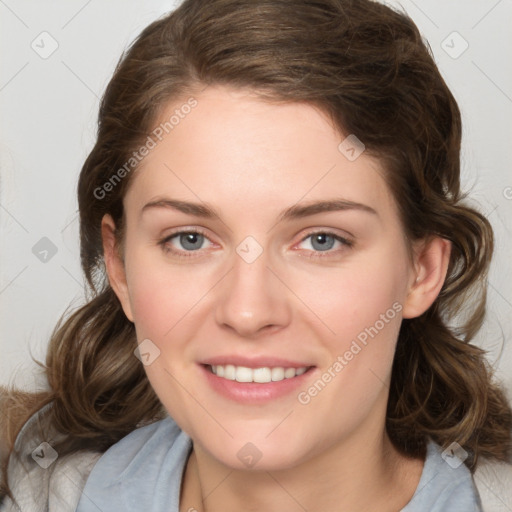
x,y
256,385
260,375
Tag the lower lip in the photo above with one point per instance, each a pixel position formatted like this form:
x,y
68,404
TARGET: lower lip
x,y
254,392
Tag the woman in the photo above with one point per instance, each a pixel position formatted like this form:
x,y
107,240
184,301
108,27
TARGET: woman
x,y
274,234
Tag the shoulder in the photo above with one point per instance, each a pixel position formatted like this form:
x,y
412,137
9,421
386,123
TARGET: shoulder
x,y
15,405
38,478
149,442
446,484
146,463
494,483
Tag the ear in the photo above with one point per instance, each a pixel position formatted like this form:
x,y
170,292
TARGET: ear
x,y
115,265
431,259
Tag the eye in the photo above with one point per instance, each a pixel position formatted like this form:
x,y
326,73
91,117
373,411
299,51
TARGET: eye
x,y
185,241
322,241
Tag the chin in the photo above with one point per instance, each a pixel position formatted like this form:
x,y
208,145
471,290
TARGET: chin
x,y
256,455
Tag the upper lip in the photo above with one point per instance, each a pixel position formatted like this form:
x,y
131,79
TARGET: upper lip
x,y
254,362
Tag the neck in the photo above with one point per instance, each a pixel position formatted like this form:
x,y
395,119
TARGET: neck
x,y
356,474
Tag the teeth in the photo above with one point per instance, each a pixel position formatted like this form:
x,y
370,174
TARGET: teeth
x,y
277,374
262,375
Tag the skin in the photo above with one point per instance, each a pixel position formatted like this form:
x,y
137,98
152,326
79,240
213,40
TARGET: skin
x,y
250,160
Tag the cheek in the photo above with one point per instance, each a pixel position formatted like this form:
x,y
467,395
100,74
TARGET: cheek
x,y
360,307
169,304
152,304
356,296
160,295
164,301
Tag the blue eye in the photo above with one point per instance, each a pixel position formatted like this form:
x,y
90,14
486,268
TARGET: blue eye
x,y
324,242
185,241
190,241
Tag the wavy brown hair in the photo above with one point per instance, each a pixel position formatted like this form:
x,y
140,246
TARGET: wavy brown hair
x,y
366,67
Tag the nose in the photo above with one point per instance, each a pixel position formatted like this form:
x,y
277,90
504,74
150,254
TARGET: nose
x,y
251,299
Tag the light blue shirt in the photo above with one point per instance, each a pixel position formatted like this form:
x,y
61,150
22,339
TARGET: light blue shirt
x,y
144,470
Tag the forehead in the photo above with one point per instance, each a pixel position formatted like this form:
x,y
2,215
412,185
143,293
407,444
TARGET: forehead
x,y
234,150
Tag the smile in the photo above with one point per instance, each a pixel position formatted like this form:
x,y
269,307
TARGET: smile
x,y
260,375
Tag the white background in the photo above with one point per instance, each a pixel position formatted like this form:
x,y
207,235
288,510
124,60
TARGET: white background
x,y
48,110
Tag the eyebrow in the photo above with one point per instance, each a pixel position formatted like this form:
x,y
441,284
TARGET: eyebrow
x,y
293,212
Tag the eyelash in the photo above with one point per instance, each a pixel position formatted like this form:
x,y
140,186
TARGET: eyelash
x,y
180,254
348,244
313,254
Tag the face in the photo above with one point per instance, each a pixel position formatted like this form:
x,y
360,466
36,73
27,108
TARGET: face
x,y
256,249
